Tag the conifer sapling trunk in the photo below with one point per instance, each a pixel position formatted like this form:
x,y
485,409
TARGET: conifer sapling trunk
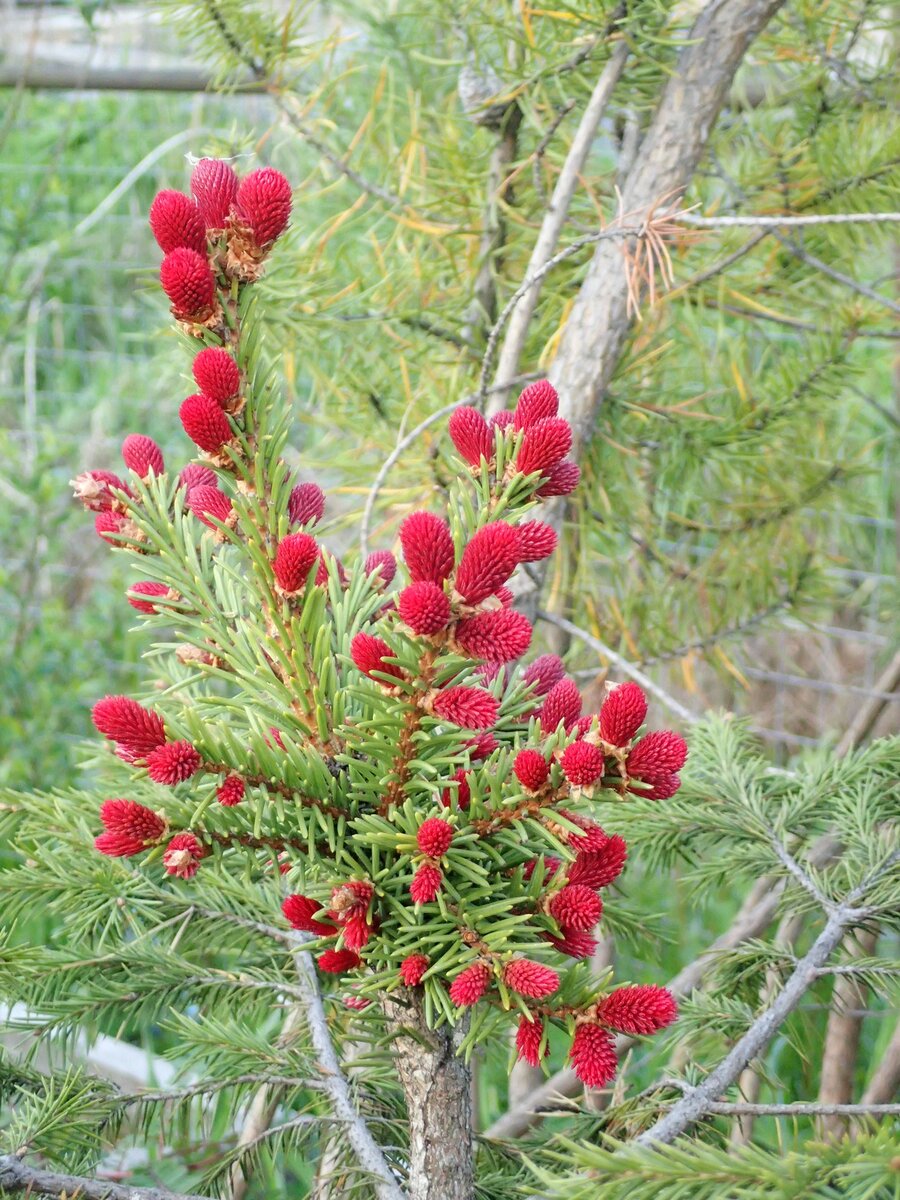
x,y
362,731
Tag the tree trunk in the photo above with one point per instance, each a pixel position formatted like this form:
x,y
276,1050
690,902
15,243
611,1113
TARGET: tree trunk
x,y
437,1085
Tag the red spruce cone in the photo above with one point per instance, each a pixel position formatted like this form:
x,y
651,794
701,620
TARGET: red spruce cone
x,y
561,480
306,504
664,784
482,746
338,962
357,932
536,541
501,420
537,402
195,475
528,1040
576,907
264,202
598,868
123,720
530,978
189,283
215,186
470,985
129,826
176,222
294,560
182,856
544,445
142,455
205,423
622,714
434,837
593,1055
544,673
582,764
426,883
551,866
468,707
637,1010
471,435
95,490
463,793
531,769
173,762
563,703
206,502
576,943
231,791
427,547
106,523
660,751
501,635
488,561
591,840
368,653
146,587
217,375
424,607
413,968
382,562
300,913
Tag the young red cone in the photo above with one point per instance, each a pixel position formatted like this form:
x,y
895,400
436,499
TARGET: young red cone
x,y
382,562
538,402
147,587
622,714
129,828
638,1010
463,792
501,635
427,547
434,837
338,962
487,561
196,475
189,283
206,502
299,911
470,984
660,751
536,541
217,375
142,455
205,423
182,856
426,883
561,480
215,186
231,791
544,444
529,1036
424,607
96,490
563,703
593,1055
582,764
576,907
294,560
123,720
110,524
369,653
173,763
413,968
531,769
576,943
176,222
468,707
471,435
530,978
544,673
306,504
661,785
598,868
264,202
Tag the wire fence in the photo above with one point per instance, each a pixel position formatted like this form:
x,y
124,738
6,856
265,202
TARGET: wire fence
x,y
83,357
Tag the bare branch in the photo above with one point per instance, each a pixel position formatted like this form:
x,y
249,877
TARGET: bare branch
x,y
801,1109
623,664
789,222
848,281
17,1176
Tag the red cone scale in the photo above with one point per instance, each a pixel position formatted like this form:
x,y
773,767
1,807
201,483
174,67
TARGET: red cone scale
x,y
294,560
188,282
205,423
215,186
468,707
471,435
264,201
427,547
176,222
424,607
488,561
622,714
142,455
593,1055
216,374
125,721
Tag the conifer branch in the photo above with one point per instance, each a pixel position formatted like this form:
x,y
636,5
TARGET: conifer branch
x,y
16,1176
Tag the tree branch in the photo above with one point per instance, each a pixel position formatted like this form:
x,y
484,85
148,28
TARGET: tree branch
x,y
17,1176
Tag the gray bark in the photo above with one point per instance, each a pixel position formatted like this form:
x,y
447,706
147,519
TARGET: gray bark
x,y
17,1176
437,1086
